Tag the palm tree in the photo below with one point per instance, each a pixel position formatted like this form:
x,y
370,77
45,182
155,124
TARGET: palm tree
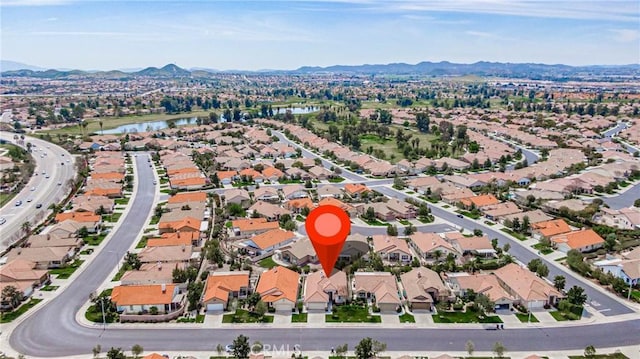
x,y
101,123
12,295
26,227
55,208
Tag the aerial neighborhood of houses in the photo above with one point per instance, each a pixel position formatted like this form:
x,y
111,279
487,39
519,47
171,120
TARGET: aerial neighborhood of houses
x,y
498,216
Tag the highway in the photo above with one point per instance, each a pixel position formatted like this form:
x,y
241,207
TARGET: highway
x,y
49,159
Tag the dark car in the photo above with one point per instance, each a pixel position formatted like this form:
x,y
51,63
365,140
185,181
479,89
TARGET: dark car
x,y
459,216
39,205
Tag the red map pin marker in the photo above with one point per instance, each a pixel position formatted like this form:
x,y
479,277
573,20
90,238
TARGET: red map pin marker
x,y
328,227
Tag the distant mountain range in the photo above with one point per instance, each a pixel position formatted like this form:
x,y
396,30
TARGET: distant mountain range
x,y
444,68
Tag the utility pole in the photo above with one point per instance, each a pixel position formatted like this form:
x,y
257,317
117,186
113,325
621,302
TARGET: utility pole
x,y
104,321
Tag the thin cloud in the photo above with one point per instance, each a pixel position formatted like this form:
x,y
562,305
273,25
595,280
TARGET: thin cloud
x,y
625,35
34,2
81,33
481,34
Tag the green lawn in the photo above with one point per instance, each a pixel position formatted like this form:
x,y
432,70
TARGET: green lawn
x,y
562,316
299,318
387,146
66,271
119,274
121,201
407,318
337,179
94,240
6,198
243,316
514,234
142,243
635,294
601,356
464,317
290,181
404,221
543,249
469,214
267,263
50,288
352,314
198,319
374,222
524,318
9,316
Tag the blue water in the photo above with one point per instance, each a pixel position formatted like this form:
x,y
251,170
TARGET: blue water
x,y
161,125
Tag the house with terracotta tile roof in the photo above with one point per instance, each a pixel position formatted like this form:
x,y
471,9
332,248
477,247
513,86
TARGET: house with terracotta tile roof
x,y
132,299
117,177
151,273
479,201
43,257
487,284
175,239
272,174
269,241
268,194
320,173
53,240
296,205
252,174
392,249
380,288
267,210
227,177
529,290
23,275
320,292
475,245
294,191
90,220
585,240
330,201
423,288
278,288
431,246
183,197
355,190
221,287
249,226
186,224
168,254
85,203
548,229
238,196
329,191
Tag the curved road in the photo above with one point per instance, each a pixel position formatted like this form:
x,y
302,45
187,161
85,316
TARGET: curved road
x,y
48,158
53,331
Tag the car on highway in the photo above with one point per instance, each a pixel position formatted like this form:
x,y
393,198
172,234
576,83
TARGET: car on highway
x,y
229,348
29,200
63,155
59,183
459,216
33,189
3,220
39,205
47,176
155,182
18,203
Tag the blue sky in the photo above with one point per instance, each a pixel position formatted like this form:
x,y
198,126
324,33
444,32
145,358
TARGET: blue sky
x,y
252,35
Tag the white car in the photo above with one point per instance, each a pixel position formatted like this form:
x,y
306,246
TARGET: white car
x,y
47,176
33,189
3,220
29,199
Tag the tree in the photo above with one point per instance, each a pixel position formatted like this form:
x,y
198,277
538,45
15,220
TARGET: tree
x,y
534,264
559,282
610,241
368,348
470,347
636,203
409,230
590,351
392,230
11,295
219,349
253,299
241,347
341,350
26,227
260,308
116,353
236,210
398,183
576,295
542,270
506,247
499,349
136,350
483,303
96,350
132,261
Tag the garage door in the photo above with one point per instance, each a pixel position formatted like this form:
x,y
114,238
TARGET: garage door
x,y
283,307
216,307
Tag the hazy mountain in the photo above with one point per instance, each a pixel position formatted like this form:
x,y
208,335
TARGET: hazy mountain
x,y
444,68
6,65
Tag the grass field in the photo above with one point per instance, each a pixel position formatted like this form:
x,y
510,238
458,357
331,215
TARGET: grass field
x,y
9,316
561,317
299,318
67,271
524,318
267,263
243,316
407,318
352,314
50,288
464,317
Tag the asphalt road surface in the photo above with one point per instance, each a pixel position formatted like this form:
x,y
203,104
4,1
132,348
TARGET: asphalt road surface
x,y
58,164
